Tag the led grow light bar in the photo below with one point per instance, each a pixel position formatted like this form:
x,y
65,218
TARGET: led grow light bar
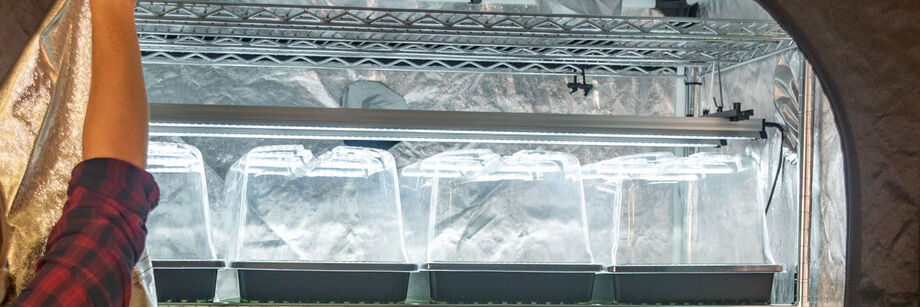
x,y
445,126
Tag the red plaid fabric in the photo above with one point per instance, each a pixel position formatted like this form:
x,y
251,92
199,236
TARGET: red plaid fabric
x,y
100,236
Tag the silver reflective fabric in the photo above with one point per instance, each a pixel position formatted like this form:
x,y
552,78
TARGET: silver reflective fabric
x,y
583,7
786,101
744,9
753,85
372,95
42,105
480,92
829,223
43,102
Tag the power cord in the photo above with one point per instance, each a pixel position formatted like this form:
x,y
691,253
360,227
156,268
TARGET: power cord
x,y
779,167
721,98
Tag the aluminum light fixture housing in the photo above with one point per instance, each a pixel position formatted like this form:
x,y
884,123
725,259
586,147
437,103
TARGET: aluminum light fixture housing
x,y
446,126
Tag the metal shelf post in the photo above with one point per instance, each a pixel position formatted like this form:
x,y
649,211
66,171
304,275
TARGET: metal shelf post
x,y
806,152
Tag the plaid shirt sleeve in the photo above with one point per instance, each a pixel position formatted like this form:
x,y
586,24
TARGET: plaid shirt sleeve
x,y
97,241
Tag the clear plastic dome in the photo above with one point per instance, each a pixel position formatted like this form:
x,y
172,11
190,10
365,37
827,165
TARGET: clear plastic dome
x,y
655,208
179,228
728,225
629,201
475,206
340,207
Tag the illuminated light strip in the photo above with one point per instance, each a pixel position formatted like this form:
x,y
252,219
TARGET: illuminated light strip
x,y
155,132
444,131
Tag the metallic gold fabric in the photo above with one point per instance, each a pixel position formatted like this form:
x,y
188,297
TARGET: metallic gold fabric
x,y
42,106
24,99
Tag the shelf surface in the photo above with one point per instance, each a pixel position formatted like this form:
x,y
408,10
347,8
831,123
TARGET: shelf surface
x,y
214,33
187,264
694,269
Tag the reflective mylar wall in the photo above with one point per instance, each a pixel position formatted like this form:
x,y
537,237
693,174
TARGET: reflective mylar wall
x,y
43,104
752,85
829,219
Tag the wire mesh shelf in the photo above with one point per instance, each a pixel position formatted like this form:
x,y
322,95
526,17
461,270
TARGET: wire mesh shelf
x,y
403,39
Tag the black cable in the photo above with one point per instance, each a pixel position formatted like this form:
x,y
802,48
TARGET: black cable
x,y
779,167
721,99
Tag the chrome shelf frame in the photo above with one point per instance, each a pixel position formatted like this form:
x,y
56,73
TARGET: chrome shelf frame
x,y
212,33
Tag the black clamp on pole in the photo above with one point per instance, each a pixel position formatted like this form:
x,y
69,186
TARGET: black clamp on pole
x,y
584,85
735,114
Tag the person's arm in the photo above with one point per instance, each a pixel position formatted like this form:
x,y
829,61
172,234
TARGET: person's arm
x,y
116,116
100,236
101,232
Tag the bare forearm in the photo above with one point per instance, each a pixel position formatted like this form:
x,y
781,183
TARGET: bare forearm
x,y
116,116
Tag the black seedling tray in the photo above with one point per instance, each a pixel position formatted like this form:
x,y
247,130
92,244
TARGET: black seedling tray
x,y
185,280
323,282
693,284
511,283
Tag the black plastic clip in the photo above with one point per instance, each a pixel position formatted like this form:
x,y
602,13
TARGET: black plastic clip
x,y
735,114
575,86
